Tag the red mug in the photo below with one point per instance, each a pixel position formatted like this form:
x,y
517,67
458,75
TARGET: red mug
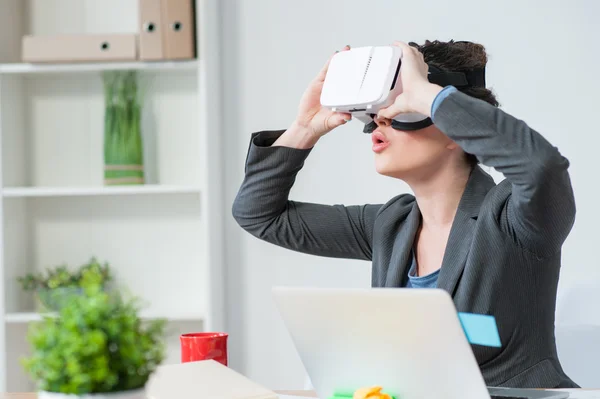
x,y
204,346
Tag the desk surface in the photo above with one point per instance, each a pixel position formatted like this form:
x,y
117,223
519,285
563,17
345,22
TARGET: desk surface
x,y
309,394
34,396
297,393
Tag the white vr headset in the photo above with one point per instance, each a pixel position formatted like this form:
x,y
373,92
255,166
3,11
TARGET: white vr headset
x,y
363,80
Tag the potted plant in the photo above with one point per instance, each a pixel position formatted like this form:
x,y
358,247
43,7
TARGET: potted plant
x,y
58,283
95,347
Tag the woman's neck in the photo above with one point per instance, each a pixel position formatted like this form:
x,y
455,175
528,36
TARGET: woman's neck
x,y
439,195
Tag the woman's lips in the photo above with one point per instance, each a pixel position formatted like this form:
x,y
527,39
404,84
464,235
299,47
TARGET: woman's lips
x,y
379,140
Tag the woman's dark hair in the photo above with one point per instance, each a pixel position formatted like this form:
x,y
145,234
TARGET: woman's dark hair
x,y
459,56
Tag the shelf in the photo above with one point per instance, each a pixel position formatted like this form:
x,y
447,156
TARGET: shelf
x,y
22,192
25,68
24,317
28,317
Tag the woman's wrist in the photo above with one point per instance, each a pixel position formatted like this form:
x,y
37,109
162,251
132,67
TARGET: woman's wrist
x,y
297,136
424,97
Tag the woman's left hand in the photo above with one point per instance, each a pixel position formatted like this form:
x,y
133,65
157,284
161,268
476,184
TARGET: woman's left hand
x,y
417,92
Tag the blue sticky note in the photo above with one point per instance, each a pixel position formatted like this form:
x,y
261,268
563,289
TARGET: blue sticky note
x,y
480,329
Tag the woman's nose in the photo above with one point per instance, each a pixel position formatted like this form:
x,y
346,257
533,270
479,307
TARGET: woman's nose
x,y
382,121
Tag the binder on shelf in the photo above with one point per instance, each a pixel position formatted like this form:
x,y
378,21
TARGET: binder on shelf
x,y
79,48
151,30
179,29
167,30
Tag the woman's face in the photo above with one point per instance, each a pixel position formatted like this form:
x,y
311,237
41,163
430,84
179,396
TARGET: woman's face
x,y
410,154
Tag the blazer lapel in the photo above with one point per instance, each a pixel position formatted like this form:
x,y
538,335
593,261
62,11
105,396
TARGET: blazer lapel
x,y
402,248
463,227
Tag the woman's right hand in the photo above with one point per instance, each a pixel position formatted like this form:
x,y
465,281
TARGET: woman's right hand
x,y
311,115
313,120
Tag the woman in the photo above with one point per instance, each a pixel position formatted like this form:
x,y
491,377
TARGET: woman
x,y
495,248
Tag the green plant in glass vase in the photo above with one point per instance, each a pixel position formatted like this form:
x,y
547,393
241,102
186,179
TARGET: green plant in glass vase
x,y
96,346
123,144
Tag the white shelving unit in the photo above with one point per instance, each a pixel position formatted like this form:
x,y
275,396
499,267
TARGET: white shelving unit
x,y
148,189
163,239
28,317
39,69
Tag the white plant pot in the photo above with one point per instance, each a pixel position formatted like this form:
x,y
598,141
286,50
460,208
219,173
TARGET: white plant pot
x,y
134,394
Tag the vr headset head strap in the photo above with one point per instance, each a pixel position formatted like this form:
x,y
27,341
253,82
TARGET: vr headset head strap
x,y
471,78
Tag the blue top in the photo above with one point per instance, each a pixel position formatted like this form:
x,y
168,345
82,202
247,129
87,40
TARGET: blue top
x,y
414,281
430,280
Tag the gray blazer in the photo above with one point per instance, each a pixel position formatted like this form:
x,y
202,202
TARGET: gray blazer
x,y
503,256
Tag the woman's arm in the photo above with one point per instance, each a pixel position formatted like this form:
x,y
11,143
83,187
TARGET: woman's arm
x,y
263,209
541,210
274,158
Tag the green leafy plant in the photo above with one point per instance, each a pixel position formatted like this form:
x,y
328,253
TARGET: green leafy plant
x,y
97,343
61,276
123,145
55,283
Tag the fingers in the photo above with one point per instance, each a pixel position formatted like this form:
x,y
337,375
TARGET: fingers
x,y
393,110
336,119
407,50
342,117
402,45
323,72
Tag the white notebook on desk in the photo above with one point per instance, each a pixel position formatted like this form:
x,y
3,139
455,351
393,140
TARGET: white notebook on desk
x,y
203,380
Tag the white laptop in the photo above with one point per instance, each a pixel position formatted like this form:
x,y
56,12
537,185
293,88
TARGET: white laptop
x,y
408,341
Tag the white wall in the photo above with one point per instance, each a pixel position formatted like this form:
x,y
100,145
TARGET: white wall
x,y
543,66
